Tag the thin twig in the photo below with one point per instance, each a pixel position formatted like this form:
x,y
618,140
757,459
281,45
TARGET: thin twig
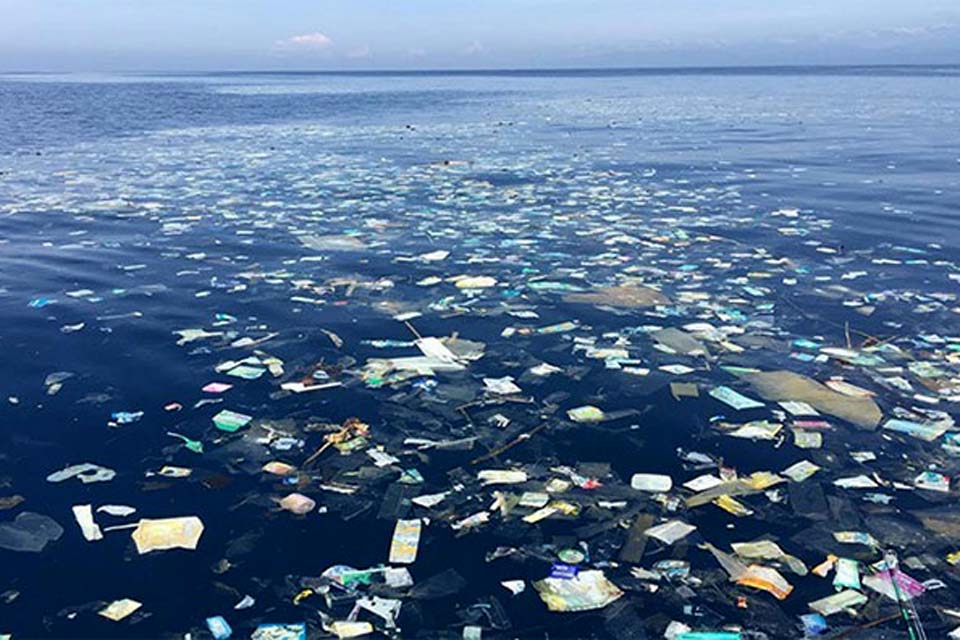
x,y
520,438
875,623
413,330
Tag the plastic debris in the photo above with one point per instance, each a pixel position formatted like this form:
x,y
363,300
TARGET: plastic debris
x,y
406,540
219,627
730,397
231,421
587,590
280,631
29,532
297,503
168,533
767,579
671,531
86,473
630,296
120,609
792,386
84,516
586,414
838,602
651,482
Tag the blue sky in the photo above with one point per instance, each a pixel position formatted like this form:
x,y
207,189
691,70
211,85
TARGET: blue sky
x,y
95,35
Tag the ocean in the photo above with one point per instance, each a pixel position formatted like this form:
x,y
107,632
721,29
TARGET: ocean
x,y
159,230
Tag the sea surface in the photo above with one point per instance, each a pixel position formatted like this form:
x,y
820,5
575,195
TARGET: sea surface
x,y
299,218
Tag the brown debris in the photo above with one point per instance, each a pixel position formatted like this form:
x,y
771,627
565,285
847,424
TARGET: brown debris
x,y
633,295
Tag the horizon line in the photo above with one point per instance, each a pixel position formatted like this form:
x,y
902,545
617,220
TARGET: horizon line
x,y
493,70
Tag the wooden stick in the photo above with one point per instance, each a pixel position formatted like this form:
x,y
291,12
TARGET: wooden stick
x,y
520,438
875,623
316,454
413,330
329,441
867,337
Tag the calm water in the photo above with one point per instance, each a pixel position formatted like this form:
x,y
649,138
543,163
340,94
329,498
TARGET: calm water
x,y
176,198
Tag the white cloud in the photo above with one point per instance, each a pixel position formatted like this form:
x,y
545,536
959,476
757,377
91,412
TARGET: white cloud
x,y
304,42
359,53
474,48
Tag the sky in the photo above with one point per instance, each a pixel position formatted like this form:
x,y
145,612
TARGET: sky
x,y
198,35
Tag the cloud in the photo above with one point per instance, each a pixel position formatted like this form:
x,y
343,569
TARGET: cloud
x,y
359,53
304,42
474,48
894,35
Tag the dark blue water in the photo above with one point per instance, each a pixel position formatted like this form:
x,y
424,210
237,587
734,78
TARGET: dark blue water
x,y
175,198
